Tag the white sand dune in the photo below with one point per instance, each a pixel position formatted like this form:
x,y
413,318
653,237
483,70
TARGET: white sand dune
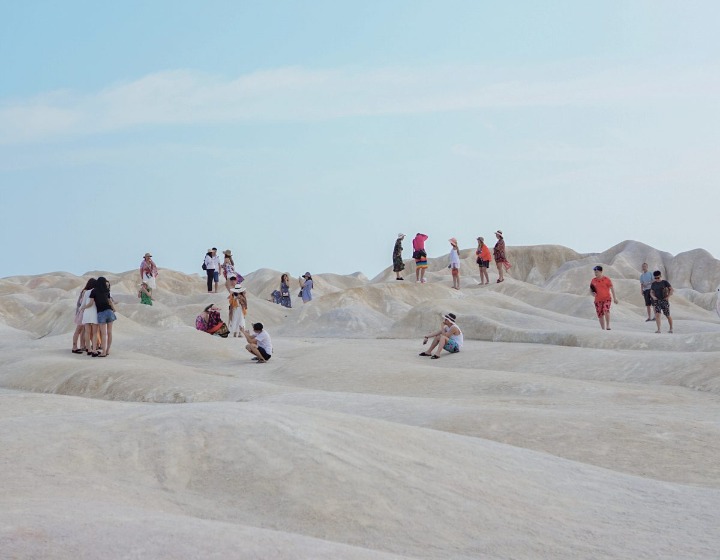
x,y
546,437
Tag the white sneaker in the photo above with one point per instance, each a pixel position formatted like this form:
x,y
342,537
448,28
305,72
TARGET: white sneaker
x,y
423,281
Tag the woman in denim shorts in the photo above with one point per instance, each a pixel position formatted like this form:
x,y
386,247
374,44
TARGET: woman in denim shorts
x,y
105,313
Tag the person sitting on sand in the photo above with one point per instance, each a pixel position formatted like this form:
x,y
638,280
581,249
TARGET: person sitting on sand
x,y
145,294
209,321
449,337
259,343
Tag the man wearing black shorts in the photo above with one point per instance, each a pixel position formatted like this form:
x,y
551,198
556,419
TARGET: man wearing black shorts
x,y
259,343
660,291
646,279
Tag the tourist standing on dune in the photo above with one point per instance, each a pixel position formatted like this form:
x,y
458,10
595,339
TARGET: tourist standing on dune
x,y
104,304
660,292
229,273
398,264
482,258
148,271
420,257
238,310
306,287
78,335
602,287
454,263
212,268
500,259
449,337
646,280
89,319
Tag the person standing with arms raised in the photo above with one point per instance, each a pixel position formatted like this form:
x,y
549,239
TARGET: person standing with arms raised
x,y
420,257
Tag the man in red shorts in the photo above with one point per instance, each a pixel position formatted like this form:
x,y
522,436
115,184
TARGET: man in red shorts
x,y
602,287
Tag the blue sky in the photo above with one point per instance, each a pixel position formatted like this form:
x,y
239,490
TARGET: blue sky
x,y
306,135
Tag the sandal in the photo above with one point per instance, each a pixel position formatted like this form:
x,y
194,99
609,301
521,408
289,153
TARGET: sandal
x,y
76,351
434,357
424,354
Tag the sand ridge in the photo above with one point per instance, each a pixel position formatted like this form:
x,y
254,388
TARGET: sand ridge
x,y
544,438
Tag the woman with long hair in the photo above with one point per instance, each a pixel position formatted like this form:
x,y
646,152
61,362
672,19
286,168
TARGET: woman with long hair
x,y
78,335
500,258
89,319
105,306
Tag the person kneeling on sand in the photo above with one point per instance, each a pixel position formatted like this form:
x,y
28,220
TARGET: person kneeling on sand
x,y
259,343
449,338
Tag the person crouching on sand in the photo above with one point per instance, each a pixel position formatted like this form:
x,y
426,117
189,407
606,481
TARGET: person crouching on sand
x,y
259,343
449,337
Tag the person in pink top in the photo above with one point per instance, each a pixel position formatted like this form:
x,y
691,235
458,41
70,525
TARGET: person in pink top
x,y
420,256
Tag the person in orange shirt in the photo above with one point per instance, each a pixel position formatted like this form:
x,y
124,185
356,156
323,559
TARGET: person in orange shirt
x,y
483,258
603,288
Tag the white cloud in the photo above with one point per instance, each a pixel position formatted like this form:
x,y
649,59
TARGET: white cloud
x,y
297,94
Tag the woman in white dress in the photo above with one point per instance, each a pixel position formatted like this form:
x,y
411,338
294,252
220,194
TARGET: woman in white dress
x,y
90,320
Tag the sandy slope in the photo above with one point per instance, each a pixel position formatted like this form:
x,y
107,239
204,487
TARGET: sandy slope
x,y
545,438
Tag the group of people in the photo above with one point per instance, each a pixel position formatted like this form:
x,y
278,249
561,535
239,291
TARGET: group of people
x,y
95,308
482,254
282,296
258,344
94,316
213,268
655,291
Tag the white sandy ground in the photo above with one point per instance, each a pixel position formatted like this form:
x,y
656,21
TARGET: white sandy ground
x,y
544,438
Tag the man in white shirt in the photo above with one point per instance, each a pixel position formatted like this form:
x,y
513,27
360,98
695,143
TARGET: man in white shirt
x,y
259,343
212,267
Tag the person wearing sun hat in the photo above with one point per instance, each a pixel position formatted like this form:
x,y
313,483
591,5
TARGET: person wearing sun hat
x,y
454,265
238,309
148,271
398,264
448,337
229,273
306,287
500,259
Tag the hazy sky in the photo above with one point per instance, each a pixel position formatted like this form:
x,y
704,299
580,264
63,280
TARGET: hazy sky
x,y
304,135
